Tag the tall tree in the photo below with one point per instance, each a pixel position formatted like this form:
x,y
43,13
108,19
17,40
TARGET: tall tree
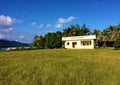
x,y
58,39
111,33
38,42
98,34
53,40
117,31
117,43
108,33
76,30
84,30
73,30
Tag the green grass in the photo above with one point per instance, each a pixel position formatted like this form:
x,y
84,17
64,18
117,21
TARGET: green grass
x,y
60,67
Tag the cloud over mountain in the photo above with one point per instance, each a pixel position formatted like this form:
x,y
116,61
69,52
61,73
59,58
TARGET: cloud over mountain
x,y
7,31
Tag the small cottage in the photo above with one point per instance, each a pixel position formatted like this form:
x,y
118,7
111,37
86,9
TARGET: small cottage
x,y
79,42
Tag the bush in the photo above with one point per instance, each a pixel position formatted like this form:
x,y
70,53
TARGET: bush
x,y
117,43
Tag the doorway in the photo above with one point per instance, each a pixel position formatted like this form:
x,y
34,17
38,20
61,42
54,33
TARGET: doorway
x,y
74,44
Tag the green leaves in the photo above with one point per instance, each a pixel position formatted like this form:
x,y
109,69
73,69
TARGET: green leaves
x,y
76,30
50,40
117,43
53,40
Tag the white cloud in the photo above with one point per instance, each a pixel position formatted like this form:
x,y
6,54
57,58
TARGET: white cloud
x,y
58,25
18,21
1,36
33,24
49,25
69,19
7,21
40,26
7,30
21,36
62,21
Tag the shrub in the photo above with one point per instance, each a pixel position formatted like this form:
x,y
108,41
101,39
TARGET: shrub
x,y
117,43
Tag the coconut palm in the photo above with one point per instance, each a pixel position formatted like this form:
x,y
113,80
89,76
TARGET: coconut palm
x,y
98,34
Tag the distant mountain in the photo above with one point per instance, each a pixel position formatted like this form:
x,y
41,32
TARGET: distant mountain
x,y
7,43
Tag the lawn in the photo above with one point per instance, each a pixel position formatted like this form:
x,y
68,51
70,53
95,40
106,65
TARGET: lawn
x,y
60,67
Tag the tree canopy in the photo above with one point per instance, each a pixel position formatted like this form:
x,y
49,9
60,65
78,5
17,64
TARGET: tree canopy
x,y
54,39
76,30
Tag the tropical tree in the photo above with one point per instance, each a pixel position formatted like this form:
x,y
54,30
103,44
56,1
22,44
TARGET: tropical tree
x,y
117,43
53,40
84,30
98,34
73,30
76,30
58,39
117,31
38,42
111,33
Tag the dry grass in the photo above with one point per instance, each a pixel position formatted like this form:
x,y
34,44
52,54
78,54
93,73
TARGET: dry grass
x,y
60,67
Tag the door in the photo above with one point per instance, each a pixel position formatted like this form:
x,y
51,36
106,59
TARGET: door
x,y
74,44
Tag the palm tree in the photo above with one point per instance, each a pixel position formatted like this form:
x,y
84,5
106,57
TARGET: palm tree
x,y
98,34
84,30
117,31
73,30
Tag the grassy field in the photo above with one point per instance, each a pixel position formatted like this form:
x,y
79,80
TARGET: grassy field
x,y
60,67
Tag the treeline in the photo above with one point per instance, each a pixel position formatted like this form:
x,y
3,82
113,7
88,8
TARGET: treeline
x,y
50,40
108,37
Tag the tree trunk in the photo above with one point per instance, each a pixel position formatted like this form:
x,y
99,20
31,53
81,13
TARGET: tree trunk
x,y
104,45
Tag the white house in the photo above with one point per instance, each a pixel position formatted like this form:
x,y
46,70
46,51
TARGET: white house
x,y
79,42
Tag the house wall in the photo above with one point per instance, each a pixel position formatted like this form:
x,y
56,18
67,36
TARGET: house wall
x,y
79,44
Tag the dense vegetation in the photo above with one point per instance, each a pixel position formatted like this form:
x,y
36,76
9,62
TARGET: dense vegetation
x,y
60,67
107,37
117,43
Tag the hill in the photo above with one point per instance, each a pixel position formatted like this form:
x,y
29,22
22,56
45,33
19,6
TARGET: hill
x,y
7,43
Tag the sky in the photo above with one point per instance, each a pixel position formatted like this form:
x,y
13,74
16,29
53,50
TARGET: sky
x,y
21,20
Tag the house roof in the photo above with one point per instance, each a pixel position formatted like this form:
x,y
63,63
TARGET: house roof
x,y
79,37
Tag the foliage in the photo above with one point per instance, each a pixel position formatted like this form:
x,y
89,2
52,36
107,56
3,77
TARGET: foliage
x,y
53,40
117,43
50,40
38,42
60,67
111,33
98,34
84,30
76,30
73,30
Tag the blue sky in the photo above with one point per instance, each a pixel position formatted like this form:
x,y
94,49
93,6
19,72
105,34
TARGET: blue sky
x,y
21,20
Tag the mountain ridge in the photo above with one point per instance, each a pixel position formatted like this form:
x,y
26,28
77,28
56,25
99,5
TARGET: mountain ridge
x,y
6,43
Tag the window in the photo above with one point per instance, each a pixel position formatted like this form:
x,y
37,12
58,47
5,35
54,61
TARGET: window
x,y
67,43
85,42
